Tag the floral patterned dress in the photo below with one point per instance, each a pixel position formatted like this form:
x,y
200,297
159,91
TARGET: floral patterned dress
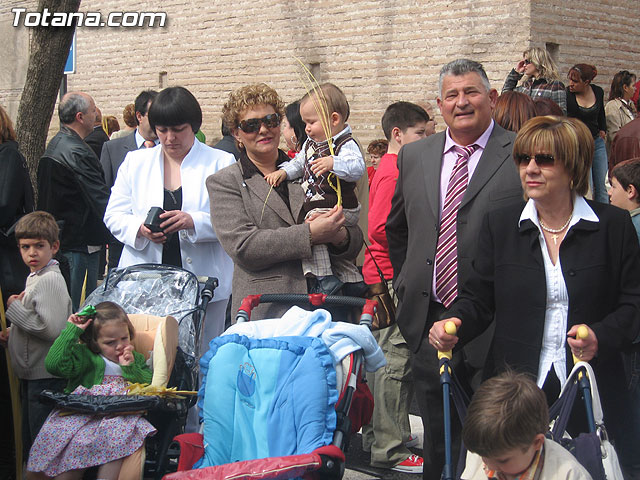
x,y
77,441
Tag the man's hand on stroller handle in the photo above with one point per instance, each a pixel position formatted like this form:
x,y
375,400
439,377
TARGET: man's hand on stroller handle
x,y
440,339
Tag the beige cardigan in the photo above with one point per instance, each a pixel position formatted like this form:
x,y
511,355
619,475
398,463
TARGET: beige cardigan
x,y
618,115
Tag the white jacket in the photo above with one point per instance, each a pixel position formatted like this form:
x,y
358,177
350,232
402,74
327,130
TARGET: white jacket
x,y
139,186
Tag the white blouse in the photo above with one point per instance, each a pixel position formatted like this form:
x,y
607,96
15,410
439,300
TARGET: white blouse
x,y
552,351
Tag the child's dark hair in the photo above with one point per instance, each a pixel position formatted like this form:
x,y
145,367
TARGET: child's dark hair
x,y
336,99
506,412
628,173
105,312
378,147
37,225
402,115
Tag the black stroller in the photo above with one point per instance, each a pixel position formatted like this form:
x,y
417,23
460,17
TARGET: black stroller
x,y
161,291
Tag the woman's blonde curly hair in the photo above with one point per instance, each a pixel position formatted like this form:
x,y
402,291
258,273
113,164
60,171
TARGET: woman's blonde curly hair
x,y
247,97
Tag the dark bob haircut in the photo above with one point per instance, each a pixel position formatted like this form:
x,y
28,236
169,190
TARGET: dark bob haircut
x,y
292,112
175,106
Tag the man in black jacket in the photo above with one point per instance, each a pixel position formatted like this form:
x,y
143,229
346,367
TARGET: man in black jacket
x,y
71,187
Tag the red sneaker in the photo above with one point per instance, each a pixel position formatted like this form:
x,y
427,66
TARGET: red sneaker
x,y
413,464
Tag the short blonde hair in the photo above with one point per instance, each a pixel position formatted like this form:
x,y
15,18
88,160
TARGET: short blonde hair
x,y
247,97
567,139
543,62
336,99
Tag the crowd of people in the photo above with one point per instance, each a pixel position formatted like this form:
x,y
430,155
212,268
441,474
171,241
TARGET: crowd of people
x,y
500,223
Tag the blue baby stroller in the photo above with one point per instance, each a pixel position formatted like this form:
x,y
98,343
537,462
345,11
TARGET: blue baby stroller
x,y
277,394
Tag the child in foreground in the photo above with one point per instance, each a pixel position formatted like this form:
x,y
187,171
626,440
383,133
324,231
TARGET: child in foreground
x,y
314,164
37,317
504,433
101,365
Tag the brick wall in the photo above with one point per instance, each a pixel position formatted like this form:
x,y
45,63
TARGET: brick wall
x,y
376,51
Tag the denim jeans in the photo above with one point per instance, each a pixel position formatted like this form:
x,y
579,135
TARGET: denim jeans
x,y
79,264
599,172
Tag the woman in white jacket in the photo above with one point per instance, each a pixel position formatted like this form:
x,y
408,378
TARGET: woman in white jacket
x,y
172,176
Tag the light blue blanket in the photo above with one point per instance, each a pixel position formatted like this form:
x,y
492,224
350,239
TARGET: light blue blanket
x,y
266,397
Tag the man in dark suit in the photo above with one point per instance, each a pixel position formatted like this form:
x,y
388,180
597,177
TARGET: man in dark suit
x,y
98,137
430,255
227,143
114,151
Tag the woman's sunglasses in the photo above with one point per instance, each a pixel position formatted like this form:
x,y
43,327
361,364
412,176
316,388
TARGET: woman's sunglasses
x,y
541,159
527,61
252,125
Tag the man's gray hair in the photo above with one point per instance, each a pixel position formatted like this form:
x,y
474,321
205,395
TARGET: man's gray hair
x,y
71,104
463,66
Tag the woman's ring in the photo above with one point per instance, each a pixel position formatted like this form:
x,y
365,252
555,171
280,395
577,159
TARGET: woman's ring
x,y
580,352
437,342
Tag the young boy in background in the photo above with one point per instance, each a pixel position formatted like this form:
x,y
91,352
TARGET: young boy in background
x,y
37,317
504,433
625,189
318,170
389,434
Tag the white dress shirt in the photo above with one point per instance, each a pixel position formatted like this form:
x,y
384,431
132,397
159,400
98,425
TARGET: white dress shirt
x,y
552,352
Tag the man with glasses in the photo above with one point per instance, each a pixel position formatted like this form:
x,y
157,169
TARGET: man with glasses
x,y
446,183
114,151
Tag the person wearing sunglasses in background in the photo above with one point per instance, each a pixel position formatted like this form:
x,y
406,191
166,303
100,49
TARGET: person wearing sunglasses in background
x,y
171,175
539,76
545,267
256,223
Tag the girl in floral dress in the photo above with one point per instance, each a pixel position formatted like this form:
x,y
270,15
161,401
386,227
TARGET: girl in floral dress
x,y
101,364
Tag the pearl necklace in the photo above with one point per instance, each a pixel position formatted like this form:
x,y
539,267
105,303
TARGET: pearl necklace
x,y
555,231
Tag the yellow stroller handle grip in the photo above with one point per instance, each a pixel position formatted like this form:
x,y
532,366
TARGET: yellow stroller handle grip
x,y
582,333
451,329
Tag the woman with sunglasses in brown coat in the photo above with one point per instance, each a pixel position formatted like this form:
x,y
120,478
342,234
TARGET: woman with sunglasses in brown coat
x,y
258,224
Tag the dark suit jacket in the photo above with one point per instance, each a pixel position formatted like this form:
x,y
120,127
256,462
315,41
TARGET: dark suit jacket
x,y
601,268
228,144
96,140
413,223
113,153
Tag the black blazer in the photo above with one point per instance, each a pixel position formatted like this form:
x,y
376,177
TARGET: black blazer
x,y
601,268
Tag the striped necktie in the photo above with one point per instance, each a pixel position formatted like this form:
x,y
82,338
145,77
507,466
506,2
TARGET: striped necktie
x,y
447,249
148,144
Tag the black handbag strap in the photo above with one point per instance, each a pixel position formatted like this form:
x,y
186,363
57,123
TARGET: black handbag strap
x,y
384,280
561,410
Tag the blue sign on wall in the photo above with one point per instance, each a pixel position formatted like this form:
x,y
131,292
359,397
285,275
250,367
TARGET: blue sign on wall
x,y
70,66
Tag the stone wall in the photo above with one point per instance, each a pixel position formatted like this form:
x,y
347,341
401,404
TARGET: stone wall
x,y
376,51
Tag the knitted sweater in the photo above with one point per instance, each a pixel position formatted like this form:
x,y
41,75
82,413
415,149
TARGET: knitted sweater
x,y
74,361
36,321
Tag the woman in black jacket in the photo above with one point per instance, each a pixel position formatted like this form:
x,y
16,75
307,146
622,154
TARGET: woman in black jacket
x,y
585,102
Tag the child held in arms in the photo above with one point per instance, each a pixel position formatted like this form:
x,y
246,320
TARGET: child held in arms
x,y
325,111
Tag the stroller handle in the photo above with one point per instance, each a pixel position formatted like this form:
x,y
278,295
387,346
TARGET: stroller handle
x,y
451,329
582,333
316,299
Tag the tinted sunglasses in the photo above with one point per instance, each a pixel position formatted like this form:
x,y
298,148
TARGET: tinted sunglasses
x,y
541,159
527,61
252,125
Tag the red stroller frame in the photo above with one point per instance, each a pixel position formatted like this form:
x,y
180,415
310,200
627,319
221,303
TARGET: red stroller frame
x,y
328,461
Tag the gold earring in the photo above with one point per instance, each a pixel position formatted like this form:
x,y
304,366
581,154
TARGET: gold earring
x,y
571,185
240,145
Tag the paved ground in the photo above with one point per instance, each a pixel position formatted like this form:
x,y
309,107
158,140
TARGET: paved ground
x,y
358,467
